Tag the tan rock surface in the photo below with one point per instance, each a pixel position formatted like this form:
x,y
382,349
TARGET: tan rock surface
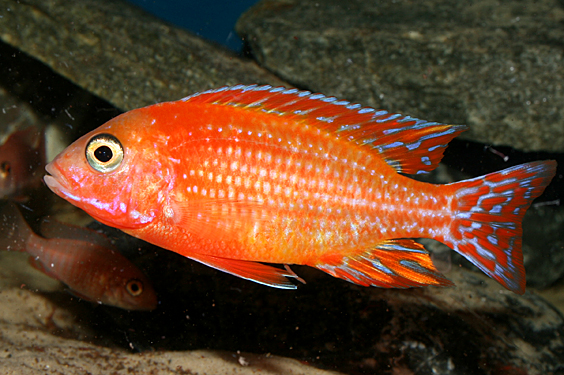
x,y
39,337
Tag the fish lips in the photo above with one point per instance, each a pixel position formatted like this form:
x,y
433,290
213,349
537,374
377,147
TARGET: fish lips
x,y
101,211
58,183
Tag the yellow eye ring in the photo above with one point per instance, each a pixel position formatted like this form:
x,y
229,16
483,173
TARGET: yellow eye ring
x,y
134,287
104,153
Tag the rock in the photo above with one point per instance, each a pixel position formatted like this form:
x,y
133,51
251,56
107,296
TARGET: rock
x,y
544,257
21,274
31,342
476,327
120,53
555,295
496,67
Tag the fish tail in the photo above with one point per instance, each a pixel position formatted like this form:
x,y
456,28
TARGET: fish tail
x,y
487,214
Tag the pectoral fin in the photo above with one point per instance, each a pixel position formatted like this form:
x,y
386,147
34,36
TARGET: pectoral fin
x,y
224,219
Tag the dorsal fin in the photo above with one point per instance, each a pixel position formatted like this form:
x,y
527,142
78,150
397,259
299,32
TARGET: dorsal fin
x,y
407,144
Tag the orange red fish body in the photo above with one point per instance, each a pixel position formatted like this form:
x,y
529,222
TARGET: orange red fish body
x,y
84,260
248,174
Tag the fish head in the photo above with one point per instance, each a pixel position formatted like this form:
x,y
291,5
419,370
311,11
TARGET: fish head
x,y
22,156
113,173
129,289
136,295
107,276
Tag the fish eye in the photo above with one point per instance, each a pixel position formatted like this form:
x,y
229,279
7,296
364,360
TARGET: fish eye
x,y
134,287
5,169
104,152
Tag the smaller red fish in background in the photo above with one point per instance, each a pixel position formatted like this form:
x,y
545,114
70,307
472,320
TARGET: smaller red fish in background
x,y
84,260
22,159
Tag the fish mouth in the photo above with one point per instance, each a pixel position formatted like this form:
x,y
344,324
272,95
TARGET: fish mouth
x,y
57,182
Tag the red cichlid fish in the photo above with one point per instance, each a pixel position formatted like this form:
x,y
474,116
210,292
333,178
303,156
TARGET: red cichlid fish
x,y
239,175
22,160
83,260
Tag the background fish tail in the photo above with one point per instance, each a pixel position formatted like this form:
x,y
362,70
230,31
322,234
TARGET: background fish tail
x,y
488,212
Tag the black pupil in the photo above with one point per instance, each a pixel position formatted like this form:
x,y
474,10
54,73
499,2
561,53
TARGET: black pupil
x,y
5,167
134,287
104,154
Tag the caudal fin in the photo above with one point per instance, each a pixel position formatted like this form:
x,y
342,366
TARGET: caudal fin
x,y
487,219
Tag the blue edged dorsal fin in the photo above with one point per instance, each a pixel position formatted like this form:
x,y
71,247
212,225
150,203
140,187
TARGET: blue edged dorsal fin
x,y
409,145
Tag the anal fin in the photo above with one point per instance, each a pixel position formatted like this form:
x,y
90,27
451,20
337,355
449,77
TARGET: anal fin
x,y
389,264
254,271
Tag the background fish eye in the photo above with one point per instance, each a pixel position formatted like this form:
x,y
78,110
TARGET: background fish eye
x,y
134,287
5,169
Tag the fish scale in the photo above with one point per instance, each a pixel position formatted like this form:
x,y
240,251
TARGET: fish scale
x,y
345,195
239,175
